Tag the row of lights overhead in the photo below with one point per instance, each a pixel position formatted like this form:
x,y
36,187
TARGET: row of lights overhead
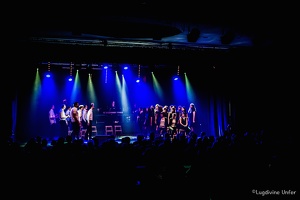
x,y
71,68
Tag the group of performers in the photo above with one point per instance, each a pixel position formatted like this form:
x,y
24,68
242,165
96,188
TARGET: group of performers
x,y
167,121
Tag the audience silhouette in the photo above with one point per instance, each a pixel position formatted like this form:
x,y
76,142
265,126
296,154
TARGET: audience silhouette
x,y
230,166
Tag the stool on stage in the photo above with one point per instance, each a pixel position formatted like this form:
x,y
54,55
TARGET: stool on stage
x,y
82,133
109,130
118,130
94,130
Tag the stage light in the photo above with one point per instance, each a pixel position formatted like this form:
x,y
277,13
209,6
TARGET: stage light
x,y
193,35
139,75
176,77
71,72
227,37
48,74
89,68
104,42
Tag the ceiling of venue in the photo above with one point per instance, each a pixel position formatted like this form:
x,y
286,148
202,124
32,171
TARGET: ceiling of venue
x,y
153,23
144,25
